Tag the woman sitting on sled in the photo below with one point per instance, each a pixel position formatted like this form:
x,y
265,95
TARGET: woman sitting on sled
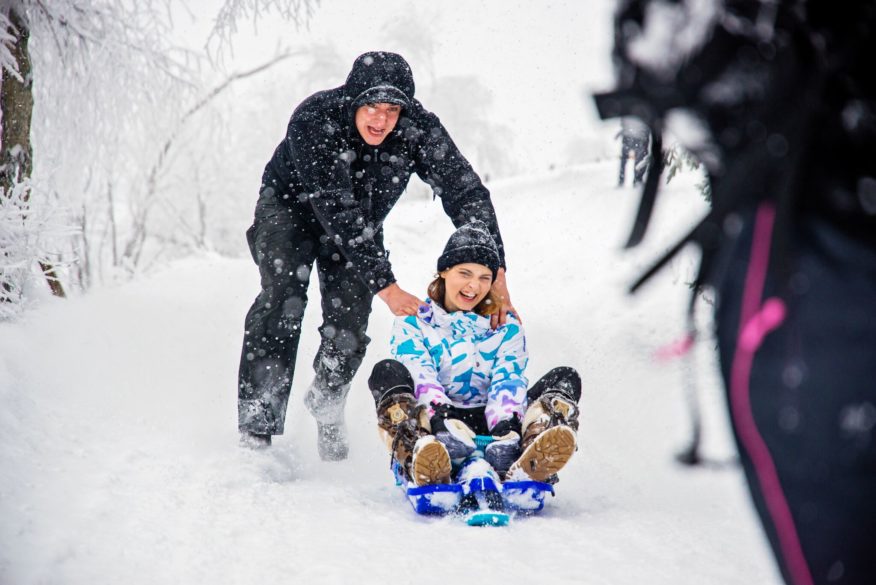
x,y
453,377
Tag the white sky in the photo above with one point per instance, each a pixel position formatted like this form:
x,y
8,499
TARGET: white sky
x,y
539,60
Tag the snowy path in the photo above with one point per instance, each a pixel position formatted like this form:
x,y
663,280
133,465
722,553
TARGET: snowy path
x,y
118,446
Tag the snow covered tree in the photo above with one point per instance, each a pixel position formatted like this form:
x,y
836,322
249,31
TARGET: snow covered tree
x,y
100,91
19,229
49,108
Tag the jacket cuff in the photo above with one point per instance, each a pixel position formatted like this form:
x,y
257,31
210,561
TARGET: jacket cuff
x,y
379,279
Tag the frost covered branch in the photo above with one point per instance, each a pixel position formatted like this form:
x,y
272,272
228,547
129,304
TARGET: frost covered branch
x,y
236,77
87,50
677,159
134,247
28,234
8,37
299,12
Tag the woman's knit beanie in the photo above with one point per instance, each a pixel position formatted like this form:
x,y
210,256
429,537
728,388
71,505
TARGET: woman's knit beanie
x,y
470,243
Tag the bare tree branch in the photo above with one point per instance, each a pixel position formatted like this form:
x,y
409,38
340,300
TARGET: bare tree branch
x,y
298,12
134,247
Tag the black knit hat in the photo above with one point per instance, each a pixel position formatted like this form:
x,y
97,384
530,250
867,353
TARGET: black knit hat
x,y
470,243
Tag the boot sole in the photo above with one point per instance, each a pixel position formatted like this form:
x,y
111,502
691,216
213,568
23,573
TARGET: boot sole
x,y
549,453
431,464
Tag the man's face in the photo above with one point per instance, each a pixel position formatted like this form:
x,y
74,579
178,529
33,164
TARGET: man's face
x,y
375,121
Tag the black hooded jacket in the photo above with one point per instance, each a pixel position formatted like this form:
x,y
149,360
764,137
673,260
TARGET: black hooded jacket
x,y
327,174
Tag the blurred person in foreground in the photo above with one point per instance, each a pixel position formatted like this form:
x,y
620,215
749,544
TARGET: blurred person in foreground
x,y
778,100
345,161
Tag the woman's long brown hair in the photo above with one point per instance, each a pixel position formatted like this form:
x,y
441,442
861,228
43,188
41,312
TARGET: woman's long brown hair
x,y
489,304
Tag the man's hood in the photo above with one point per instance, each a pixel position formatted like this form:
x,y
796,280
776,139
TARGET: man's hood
x,y
379,77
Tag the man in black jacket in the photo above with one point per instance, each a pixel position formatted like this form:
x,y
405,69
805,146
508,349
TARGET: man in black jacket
x,y
346,159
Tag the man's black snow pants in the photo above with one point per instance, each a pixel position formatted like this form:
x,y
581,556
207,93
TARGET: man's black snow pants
x,y
799,362
285,246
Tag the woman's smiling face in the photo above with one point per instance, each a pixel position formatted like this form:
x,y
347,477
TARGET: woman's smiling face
x,y
466,285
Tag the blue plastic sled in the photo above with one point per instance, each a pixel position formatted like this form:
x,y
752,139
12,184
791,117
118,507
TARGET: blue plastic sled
x,y
478,495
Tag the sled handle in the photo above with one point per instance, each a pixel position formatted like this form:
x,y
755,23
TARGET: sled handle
x,y
481,441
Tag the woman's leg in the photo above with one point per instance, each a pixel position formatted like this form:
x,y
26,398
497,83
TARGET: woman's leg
x,y
404,426
549,425
389,377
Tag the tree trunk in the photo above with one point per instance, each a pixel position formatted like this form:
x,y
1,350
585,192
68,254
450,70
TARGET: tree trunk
x,y
17,104
16,101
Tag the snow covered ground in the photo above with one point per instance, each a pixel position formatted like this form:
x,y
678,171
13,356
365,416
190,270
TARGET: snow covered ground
x,y
118,445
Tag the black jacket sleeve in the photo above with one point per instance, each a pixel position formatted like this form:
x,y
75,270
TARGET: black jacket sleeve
x,y
322,158
440,164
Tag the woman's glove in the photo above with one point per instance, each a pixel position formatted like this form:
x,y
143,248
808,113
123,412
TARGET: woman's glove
x,y
455,434
505,448
504,427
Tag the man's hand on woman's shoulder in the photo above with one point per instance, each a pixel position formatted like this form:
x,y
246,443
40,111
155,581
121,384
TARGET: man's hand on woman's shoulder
x,y
500,289
399,301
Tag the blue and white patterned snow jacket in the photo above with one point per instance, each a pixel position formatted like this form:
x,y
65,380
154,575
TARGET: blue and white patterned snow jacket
x,y
455,358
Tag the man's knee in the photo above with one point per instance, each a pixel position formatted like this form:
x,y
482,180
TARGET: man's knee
x,y
276,314
342,342
284,275
340,354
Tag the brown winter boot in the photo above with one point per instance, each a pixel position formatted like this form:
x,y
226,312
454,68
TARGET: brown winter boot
x,y
403,426
549,437
430,463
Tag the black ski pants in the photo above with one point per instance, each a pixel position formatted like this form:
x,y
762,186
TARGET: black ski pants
x,y
391,376
285,246
799,363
